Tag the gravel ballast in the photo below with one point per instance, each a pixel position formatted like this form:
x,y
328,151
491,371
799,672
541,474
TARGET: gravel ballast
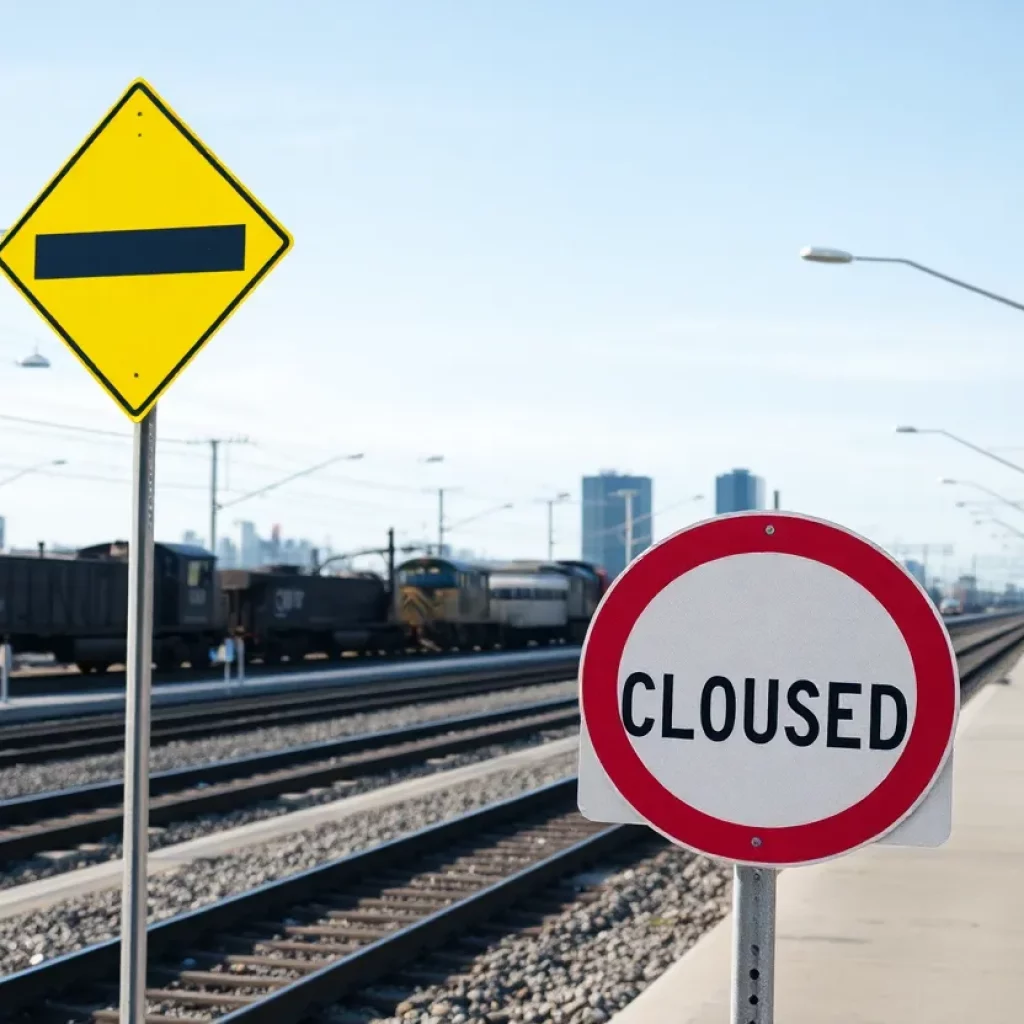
x,y
39,867
589,962
29,939
22,779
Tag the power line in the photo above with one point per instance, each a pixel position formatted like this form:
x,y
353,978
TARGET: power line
x,y
95,478
74,428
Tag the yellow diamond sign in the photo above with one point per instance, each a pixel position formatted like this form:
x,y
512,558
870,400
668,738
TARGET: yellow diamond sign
x,y
140,248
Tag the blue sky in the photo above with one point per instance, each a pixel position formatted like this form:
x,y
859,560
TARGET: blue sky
x,y
545,238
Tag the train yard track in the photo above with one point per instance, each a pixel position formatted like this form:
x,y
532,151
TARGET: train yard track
x,y
981,652
281,953
58,739
276,954
55,739
44,679
64,818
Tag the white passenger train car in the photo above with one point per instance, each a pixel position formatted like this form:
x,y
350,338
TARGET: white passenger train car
x,y
529,606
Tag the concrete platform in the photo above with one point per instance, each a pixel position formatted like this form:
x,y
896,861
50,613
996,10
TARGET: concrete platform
x,y
391,674
889,935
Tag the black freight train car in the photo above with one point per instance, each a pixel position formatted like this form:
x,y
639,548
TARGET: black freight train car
x,y
281,611
75,607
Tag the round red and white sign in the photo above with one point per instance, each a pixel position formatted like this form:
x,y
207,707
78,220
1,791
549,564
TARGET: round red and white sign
x,y
769,688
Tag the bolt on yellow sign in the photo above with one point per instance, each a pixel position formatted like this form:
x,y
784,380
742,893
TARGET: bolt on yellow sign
x,y
140,248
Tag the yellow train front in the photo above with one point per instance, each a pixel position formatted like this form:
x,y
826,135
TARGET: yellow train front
x,y
445,603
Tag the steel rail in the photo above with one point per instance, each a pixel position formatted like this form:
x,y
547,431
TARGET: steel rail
x,y
56,739
63,818
359,918
377,909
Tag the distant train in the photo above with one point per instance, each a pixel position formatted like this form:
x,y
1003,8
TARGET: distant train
x,y
455,604
74,607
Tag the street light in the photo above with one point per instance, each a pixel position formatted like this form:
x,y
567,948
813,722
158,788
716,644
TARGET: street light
x,y
36,361
1007,526
960,440
32,469
480,515
817,254
288,479
551,503
1016,506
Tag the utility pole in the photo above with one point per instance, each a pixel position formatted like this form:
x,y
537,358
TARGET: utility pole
x,y
215,443
551,503
628,497
903,550
391,561
440,522
776,501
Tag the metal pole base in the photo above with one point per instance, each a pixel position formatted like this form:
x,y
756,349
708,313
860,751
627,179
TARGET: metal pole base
x,y
753,957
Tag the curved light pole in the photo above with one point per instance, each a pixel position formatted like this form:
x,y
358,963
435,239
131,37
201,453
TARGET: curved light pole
x,y
294,476
36,361
479,515
960,440
32,469
425,460
558,499
1007,527
1015,505
816,254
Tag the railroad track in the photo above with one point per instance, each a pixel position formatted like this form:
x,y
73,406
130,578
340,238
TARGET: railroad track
x,y
64,818
58,739
276,954
44,679
982,652
49,740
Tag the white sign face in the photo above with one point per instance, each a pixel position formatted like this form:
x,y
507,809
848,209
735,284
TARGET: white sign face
x,y
772,670
769,689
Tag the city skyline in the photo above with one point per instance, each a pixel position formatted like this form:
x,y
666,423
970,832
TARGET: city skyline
x,y
494,532
645,310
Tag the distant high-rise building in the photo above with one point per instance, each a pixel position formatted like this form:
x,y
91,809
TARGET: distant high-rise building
x,y
250,549
916,569
616,513
738,491
3,533
227,553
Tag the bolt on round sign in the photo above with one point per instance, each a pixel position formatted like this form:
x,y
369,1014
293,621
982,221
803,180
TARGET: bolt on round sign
x,y
766,688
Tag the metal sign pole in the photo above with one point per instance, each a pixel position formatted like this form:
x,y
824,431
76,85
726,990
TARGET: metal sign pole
x,y
137,713
5,673
753,945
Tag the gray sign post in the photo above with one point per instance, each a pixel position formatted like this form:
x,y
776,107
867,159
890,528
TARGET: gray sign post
x,y
136,725
753,945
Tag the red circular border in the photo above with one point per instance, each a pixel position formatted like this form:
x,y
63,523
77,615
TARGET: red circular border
x,y
744,533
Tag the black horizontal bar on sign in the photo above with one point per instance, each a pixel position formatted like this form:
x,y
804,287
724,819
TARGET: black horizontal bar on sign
x,y
206,250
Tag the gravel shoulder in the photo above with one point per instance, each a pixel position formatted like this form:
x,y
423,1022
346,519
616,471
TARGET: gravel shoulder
x,y
48,866
20,780
30,939
588,962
